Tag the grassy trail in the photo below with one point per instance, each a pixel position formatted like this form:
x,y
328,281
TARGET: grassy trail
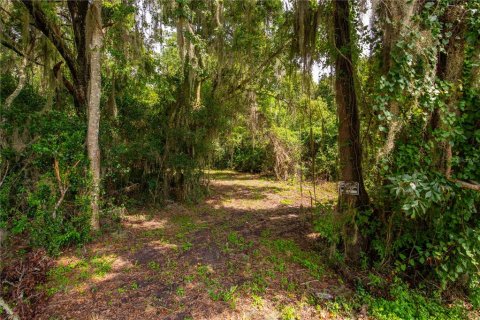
x,y
246,252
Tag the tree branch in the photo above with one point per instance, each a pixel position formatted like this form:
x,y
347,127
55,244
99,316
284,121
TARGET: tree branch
x,y
260,69
69,86
466,185
11,46
9,310
52,33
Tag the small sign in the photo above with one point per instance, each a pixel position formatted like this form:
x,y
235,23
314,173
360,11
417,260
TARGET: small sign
x,y
349,187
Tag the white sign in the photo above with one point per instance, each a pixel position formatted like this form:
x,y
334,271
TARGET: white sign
x,y
349,187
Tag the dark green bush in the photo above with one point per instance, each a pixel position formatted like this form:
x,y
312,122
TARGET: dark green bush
x,y
44,157
250,159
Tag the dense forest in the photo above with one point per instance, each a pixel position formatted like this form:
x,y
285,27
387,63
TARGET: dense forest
x,y
239,159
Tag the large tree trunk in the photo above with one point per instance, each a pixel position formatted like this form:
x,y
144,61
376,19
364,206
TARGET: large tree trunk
x,y
395,17
81,15
94,39
349,125
449,68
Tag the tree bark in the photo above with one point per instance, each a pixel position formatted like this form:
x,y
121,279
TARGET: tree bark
x,y
347,108
21,83
8,309
449,68
79,13
94,41
85,69
349,129
395,17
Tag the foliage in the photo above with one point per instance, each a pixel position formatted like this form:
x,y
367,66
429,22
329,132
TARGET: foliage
x,y
274,138
295,254
427,223
449,210
45,159
189,85
327,224
406,303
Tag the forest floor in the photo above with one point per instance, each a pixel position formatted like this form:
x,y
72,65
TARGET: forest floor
x,y
246,252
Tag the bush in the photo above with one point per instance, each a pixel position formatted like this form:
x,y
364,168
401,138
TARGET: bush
x,y
433,229
250,159
42,198
406,303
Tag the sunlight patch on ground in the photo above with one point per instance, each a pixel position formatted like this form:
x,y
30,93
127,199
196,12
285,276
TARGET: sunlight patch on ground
x,y
68,260
144,222
285,217
159,244
108,277
121,263
313,235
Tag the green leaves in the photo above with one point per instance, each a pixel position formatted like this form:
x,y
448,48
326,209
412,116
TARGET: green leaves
x,y
445,237
416,194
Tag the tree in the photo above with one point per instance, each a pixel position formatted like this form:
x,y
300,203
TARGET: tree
x,y
395,18
449,69
85,72
350,152
94,39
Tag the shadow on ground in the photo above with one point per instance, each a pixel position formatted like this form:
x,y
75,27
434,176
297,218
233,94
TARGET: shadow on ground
x,y
246,252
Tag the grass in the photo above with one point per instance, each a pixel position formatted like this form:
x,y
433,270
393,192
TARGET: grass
x,y
257,195
290,251
257,301
289,313
180,291
154,233
203,271
189,278
236,242
185,225
101,265
288,284
228,295
154,266
286,202
403,303
186,246
63,277
215,290
409,304
134,286
259,284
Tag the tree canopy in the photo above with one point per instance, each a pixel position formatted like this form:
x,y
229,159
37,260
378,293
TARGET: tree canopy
x,y
111,106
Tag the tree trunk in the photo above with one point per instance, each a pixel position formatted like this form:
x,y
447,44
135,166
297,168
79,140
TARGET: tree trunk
x,y
449,68
94,39
85,70
395,17
349,126
21,83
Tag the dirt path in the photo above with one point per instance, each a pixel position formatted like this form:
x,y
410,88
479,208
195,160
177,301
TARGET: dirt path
x,y
246,252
